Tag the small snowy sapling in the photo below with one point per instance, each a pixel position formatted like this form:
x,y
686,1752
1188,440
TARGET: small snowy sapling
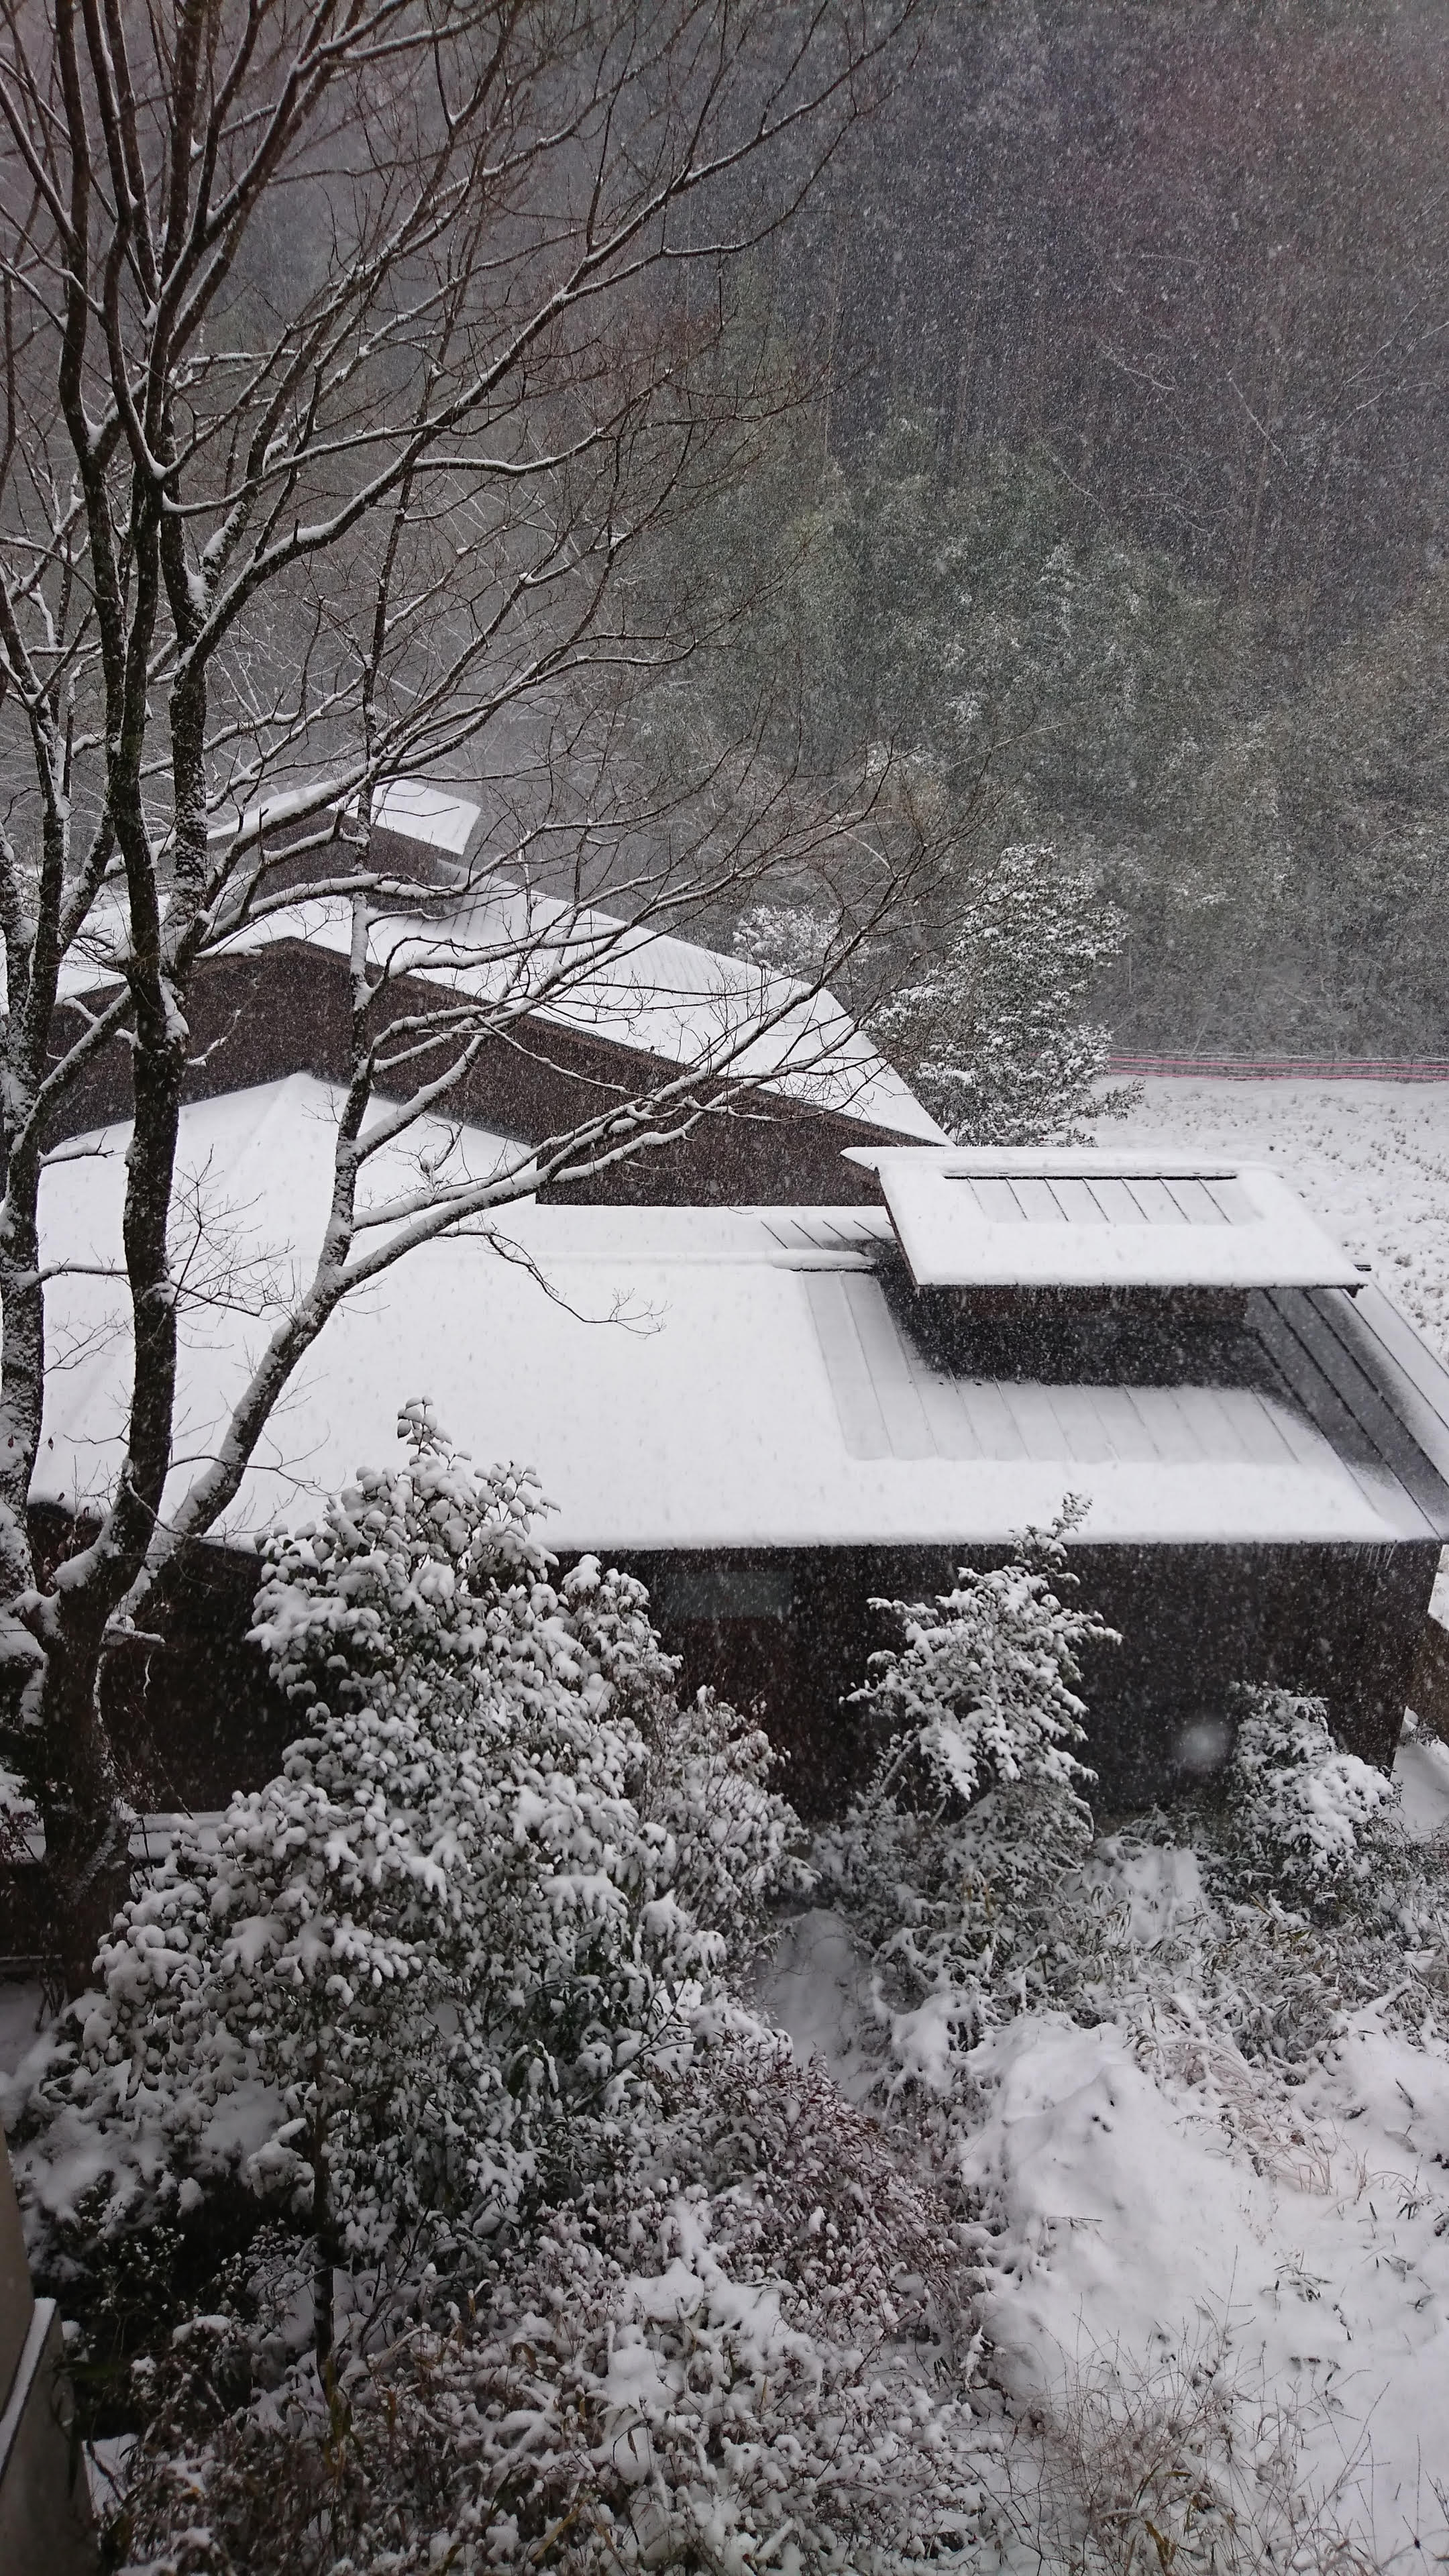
x,y
976,1805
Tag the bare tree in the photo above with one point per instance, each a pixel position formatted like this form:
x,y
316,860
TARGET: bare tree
x,y
352,348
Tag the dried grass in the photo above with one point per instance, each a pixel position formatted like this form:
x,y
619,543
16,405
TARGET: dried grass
x,y
1189,2468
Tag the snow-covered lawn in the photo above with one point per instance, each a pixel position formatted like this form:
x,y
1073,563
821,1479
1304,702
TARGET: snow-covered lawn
x,y
1370,1158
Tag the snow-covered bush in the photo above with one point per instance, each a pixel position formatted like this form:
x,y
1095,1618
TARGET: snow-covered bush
x,y
992,1034
1318,1900
1300,1810
792,939
975,1809
743,2351
17,1817
737,1843
982,1693
443,1949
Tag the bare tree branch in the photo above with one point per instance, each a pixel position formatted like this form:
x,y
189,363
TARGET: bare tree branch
x,y
351,354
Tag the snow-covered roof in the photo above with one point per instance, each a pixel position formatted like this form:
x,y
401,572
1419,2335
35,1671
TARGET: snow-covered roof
x,y
1097,1217
420,812
580,968
695,1378
411,807
635,986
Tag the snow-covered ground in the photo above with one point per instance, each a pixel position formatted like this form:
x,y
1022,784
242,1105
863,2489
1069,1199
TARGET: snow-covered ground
x,y
1370,1158
1178,2239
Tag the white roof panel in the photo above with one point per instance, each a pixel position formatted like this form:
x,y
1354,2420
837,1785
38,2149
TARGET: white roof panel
x,y
1094,1217
695,1379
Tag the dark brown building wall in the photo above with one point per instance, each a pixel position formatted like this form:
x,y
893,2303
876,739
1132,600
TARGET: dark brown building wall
x,y
1341,1622
258,1017
1429,1682
198,1717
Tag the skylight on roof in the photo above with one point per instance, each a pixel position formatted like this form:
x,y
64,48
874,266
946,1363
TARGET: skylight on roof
x,y
1108,1198
1088,1218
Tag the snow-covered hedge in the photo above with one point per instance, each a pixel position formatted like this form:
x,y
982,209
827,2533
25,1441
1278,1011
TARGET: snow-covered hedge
x,y
444,1946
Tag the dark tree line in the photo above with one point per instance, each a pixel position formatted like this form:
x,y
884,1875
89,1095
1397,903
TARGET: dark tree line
x,y
1126,489
1198,247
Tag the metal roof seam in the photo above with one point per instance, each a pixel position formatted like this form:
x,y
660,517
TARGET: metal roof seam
x,y
1386,1382
1409,1352
920,1409
1351,1438
1371,1404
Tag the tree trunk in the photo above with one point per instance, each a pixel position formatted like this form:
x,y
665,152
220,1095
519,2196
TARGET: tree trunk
x,y
325,2247
87,1821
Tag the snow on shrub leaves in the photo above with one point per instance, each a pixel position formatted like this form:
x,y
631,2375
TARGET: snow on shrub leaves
x,y
974,1810
1299,1806
743,2347
983,1690
444,1937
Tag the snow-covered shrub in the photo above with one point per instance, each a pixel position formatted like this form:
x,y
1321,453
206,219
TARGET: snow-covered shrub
x,y
737,1843
1242,1925
17,1811
1320,1901
674,2375
443,1947
975,1810
790,938
802,2186
18,1818
1301,1811
982,1693
992,1034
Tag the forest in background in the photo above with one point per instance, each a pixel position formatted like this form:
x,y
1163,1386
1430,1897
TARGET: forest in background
x,y
1117,516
